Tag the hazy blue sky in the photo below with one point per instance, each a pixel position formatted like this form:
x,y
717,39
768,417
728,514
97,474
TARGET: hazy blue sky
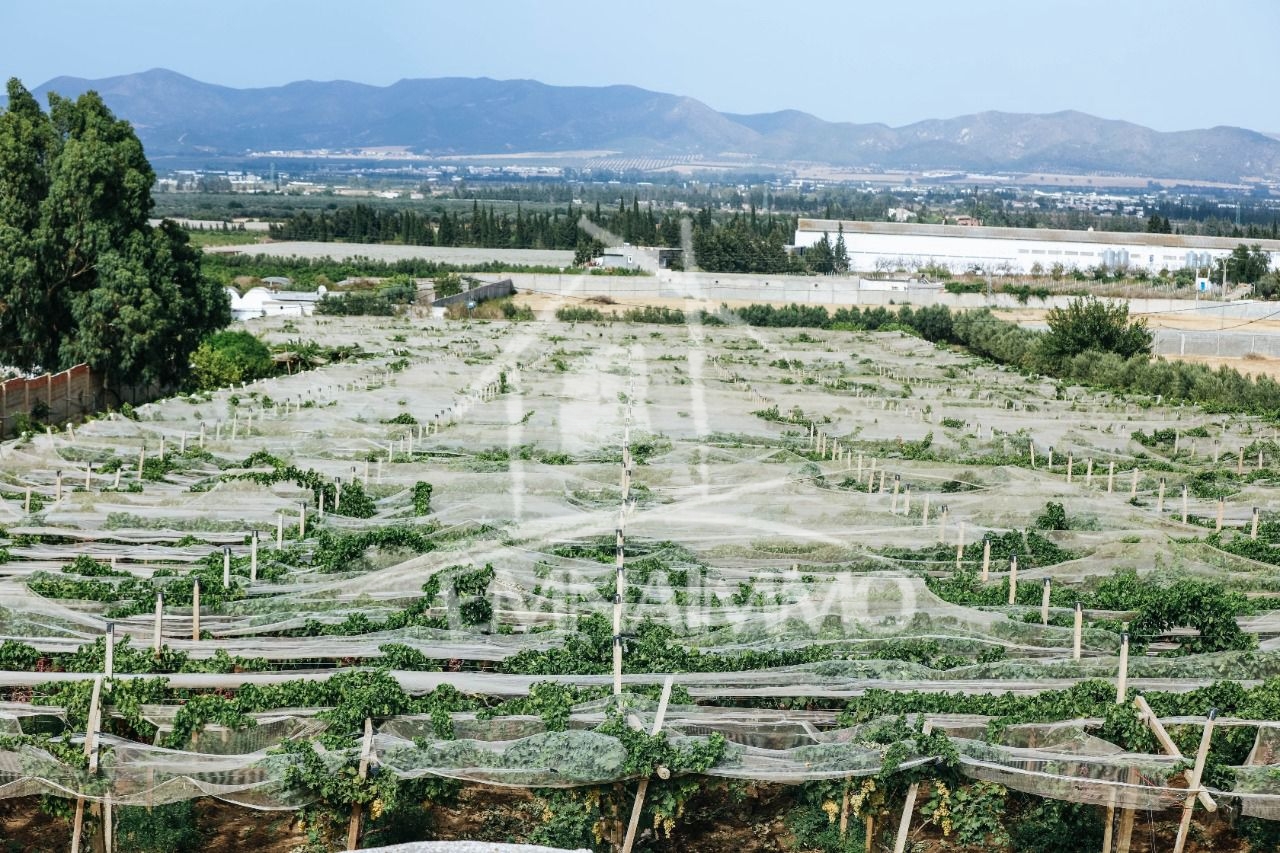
x,y
1168,64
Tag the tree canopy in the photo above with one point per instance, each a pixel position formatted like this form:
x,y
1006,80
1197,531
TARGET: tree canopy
x,y
1091,324
83,276
226,358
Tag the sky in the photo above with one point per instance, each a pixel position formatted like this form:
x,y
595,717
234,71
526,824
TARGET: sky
x,y
1166,64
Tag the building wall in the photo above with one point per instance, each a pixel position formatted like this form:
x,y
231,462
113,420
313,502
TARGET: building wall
x,y
708,290
961,252
481,293
69,395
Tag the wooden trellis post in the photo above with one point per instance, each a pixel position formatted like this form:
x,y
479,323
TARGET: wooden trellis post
x,y
90,750
620,589
1193,784
366,749
643,788
904,825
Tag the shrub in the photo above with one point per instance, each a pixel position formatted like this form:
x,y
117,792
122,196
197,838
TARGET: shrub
x,y
1089,324
227,358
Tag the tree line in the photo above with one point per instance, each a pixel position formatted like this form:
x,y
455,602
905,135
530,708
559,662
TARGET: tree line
x,y
1089,343
83,276
485,227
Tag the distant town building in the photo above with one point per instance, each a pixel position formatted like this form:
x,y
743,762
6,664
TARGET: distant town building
x,y
910,247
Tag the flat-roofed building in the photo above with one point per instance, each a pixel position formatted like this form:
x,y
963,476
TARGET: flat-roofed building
x,y
910,247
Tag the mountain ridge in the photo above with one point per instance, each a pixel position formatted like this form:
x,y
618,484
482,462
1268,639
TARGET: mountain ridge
x,y
175,114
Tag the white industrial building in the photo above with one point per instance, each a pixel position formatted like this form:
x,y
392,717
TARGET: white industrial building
x,y
906,246
266,302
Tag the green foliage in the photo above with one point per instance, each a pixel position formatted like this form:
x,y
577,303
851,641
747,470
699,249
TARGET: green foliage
x,y
646,752
1247,264
387,299
1221,390
1052,826
422,498
814,818
355,502
1090,324
83,276
198,711
654,314
337,552
1054,517
17,656
578,314
973,813
654,648
160,829
229,358
570,820
1202,605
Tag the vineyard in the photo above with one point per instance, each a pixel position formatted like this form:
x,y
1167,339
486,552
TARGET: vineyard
x,y
624,586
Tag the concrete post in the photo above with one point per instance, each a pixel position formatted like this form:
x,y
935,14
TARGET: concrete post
x,y
195,611
1122,676
1013,578
108,666
157,634
1077,633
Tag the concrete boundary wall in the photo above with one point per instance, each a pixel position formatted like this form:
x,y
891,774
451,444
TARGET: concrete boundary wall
x,y
837,291
481,293
66,396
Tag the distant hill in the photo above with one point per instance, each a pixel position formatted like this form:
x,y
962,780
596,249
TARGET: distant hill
x,y
177,115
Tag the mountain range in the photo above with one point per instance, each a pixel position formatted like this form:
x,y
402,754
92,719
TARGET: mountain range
x,y
176,115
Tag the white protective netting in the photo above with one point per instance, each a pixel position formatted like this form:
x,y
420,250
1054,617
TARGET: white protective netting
x,y
744,534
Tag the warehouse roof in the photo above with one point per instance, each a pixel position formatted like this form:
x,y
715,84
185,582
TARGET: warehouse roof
x,y
1142,238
